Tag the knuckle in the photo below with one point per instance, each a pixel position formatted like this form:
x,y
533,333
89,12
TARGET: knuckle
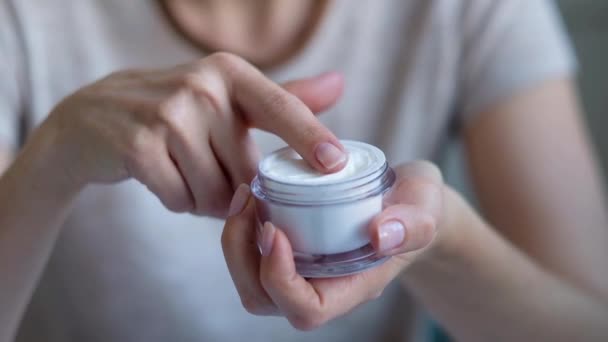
x,y
206,90
213,101
226,61
306,323
254,305
415,185
250,303
139,144
421,170
169,110
179,204
193,79
427,229
419,191
430,170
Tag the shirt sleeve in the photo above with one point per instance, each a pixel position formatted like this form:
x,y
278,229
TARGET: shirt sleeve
x,y
508,46
11,76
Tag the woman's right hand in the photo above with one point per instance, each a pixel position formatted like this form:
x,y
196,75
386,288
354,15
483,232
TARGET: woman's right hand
x,y
184,131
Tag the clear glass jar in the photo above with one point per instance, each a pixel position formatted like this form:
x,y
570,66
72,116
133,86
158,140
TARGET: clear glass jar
x,y
326,219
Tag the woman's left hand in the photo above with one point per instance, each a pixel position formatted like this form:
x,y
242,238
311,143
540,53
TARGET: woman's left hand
x,y
269,285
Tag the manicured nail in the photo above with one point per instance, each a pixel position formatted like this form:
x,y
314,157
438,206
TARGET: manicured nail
x,y
239,199
392,234
267,238
329,155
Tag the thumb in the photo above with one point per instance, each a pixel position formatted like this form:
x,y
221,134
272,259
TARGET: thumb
x,y
318,93
403,228
414,210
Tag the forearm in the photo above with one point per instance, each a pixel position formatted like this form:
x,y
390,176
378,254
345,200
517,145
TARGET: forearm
x,y
483,289
33,205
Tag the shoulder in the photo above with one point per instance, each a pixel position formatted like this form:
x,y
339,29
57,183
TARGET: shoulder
x,y
508,46
493,17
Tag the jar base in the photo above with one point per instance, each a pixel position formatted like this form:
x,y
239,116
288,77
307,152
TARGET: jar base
x,y
336,265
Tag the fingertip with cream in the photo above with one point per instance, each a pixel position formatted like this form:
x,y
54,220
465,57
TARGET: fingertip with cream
x,y
330,156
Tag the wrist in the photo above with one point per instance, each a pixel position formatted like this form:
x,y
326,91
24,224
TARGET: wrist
x,y
45,163
455,231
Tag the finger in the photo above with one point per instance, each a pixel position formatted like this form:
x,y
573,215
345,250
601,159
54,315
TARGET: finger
x,y
162,177
414,210
417,183
189,145
232,142
348,292
207,182
317,93
235,148
242,254
268,106
309,304
402,228
293,295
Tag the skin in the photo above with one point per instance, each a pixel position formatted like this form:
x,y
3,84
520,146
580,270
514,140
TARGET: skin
x,y
178,131
532,154
538,183
551,232
269,285
267,33
451,259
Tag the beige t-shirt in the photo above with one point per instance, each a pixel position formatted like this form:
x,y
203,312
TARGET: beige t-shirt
x,y
126,269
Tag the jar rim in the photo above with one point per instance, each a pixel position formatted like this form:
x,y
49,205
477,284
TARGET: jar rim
x,y
376,162
355,189
373,178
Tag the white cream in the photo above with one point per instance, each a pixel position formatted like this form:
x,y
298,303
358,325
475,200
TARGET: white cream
x,y
325,216
287,166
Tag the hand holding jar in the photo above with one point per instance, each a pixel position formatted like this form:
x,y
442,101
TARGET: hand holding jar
x,y
270,284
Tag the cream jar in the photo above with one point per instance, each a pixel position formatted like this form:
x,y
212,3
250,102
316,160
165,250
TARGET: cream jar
x,y
325,216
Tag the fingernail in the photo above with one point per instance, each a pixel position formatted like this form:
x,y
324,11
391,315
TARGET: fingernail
x,y
267,238
392,234
239,200
329,155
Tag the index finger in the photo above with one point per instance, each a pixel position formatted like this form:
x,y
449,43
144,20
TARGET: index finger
x,y
268,106
307,304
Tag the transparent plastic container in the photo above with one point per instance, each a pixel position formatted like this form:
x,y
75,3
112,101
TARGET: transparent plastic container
x,y
327,224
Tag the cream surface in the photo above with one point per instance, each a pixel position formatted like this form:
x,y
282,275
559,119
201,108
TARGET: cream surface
x,y
285,165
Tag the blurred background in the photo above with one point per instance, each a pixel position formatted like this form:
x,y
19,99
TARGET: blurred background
x,y
587,23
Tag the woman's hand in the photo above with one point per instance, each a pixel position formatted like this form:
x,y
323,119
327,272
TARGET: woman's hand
x,y
269,285
184,131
